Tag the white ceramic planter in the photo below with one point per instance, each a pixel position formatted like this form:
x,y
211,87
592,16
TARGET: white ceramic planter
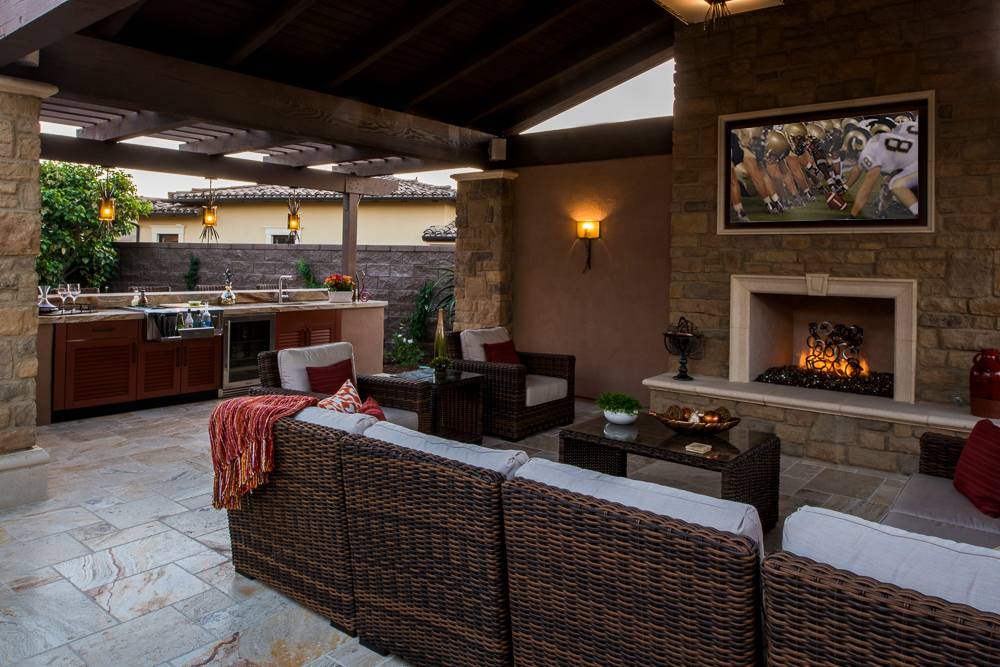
x,y
340,297
620,417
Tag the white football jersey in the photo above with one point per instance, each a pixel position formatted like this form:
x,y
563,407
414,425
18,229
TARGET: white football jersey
x,y
891,153
908,129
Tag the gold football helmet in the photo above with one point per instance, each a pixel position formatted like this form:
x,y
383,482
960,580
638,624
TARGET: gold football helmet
x,y
796,133
816,131
855,140
776,146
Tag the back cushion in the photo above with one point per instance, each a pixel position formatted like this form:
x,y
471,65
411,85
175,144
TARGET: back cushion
x,y
473,340
725,515
352,423
952,571
977,475
293,362
501,353
504,461
329,379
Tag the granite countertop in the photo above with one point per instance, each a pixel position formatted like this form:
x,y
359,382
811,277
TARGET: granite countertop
x,y
112,314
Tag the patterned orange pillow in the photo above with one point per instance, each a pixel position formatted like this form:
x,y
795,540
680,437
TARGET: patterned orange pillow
x,y
345,400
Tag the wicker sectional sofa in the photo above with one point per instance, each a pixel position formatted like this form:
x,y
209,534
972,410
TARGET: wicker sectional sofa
x,y
450,554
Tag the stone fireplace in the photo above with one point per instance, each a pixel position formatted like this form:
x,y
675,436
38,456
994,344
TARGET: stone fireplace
x,y
770,317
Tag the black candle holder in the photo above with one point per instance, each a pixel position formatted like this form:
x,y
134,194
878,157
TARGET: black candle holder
x,y
682,340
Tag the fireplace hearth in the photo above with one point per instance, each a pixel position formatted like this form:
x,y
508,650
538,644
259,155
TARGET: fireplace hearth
x,y
832,360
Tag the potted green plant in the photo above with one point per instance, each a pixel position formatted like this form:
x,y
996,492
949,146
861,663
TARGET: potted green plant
x,y
619,408
340,287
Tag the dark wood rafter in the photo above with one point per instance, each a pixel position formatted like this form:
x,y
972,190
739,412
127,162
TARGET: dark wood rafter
x,y
29,25
405,28
607,141
599,65
95,70
526,26
114,24
245,140
140,123
390,165
311,156
285,13
133,156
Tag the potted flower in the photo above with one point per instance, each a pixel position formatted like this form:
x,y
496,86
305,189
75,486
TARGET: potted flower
x,y
340,287
619,408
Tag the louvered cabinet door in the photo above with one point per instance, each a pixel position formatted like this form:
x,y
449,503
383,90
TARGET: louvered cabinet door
x,y
291,330
201,365
100,372
159,370
323,327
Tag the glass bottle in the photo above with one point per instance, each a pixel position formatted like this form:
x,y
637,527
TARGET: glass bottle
x,y
189,320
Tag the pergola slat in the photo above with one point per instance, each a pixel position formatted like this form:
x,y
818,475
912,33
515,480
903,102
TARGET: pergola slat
x,y
135,125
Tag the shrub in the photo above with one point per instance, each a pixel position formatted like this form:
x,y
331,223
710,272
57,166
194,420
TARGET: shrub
x,y
404,350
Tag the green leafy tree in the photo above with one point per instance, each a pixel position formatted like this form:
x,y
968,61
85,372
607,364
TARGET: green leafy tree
x,y
75,245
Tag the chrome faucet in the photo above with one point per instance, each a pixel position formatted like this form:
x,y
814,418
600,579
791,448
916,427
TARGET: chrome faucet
x,y
282,289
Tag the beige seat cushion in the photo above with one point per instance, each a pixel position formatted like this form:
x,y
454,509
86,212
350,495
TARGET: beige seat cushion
x,y
342,421
293,361
405,418
542,389
474,339
936,499
946,531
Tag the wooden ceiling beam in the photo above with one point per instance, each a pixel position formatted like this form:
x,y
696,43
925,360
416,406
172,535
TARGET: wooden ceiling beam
x,y
134,156
606,141
138,124
248,140
566,76
283,14
324,155
525,27
29,25
114,24
405,29
392,165
94,70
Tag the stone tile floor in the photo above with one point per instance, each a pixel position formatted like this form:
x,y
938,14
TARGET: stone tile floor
x,y
126,563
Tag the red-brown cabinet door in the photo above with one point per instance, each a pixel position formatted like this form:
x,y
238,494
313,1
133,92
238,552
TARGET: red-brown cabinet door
x,y
291,330
201,365
100,372
159,370
323,327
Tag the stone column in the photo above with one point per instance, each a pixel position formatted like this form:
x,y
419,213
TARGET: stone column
x,y
23,475
484,249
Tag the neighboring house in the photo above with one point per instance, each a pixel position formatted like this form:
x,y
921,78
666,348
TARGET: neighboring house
x,y
415,214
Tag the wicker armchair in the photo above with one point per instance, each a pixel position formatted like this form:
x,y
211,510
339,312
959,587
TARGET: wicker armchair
x,y
291,533
817,614
505,414
389,391
427,550
595,583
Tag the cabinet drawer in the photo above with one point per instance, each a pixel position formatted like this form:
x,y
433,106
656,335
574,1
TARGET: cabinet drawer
x,y
99,330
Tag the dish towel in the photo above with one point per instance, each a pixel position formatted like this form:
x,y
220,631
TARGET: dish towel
x,y
241,431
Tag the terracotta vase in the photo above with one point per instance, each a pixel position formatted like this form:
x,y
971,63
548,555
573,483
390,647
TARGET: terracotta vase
x,y
984,384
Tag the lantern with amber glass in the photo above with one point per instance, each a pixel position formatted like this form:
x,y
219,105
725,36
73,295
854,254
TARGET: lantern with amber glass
x,y
106,205
209,217
294,219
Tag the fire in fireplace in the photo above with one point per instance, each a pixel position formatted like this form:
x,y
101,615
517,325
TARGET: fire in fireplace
x,y
832,359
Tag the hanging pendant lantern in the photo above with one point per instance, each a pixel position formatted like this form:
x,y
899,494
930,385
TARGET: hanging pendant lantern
x,y
106,205
294,219
717,15
209,217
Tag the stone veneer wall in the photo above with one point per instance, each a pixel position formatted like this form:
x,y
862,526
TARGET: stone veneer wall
x,y
395,273
811,51
19,226
484,244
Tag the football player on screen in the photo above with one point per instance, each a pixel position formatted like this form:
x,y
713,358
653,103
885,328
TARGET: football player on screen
x,y
894,156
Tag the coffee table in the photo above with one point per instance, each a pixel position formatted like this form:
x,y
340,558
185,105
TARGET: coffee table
x,y
748,460
457,399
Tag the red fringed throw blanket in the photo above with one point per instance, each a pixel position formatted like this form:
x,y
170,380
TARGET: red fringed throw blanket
x,y
241,431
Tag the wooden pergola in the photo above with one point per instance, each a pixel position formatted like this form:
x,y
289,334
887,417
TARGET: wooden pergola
x,y
370,87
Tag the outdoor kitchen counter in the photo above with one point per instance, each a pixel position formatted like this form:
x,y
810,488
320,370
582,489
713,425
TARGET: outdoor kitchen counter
x,y
113,314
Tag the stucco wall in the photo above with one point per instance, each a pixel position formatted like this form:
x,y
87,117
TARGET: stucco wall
x,y
612,317
379,222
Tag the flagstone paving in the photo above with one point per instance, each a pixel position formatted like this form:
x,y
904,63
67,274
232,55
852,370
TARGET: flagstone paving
x,y
126,563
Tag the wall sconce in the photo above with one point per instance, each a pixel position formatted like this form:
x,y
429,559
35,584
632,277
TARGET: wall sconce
x,y
587,231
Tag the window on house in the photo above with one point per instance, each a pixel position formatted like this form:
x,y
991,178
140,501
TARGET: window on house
x,y
168,238
283,239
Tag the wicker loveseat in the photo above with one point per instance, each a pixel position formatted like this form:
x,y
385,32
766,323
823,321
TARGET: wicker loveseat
x,y
506,413
820,614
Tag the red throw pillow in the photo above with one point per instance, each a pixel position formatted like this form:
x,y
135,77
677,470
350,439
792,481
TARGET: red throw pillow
x,y
501,353
371,407
329,379
345,400
977,475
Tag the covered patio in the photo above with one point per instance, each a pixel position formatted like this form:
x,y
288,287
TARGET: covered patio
x,y
821,489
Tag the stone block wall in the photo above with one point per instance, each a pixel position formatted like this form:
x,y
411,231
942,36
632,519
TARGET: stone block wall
x,y
484,250
19,227
812,51
395,273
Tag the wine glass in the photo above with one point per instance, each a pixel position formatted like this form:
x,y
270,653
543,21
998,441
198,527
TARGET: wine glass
x,y
62,291
74,292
